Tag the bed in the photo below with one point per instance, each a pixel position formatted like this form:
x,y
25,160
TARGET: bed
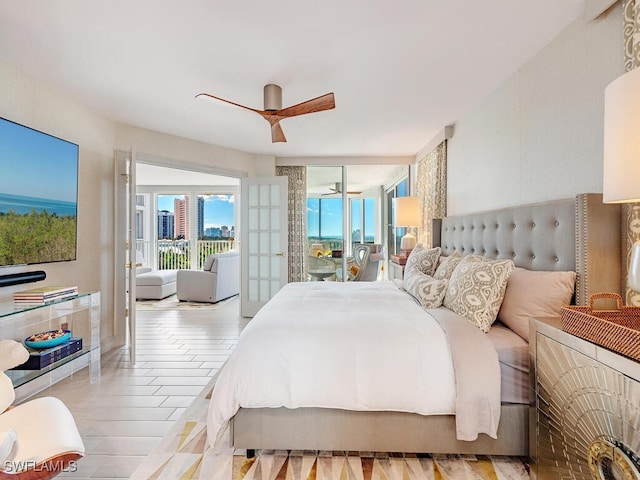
x,y
579,234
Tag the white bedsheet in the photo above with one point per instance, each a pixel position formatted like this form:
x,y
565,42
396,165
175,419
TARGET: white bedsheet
x,y
354,346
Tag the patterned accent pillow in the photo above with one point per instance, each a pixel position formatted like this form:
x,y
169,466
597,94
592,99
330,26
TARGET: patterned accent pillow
x,y
428,291
447,266
476,289
424,259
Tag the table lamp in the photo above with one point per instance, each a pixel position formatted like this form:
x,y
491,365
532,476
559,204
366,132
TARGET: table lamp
x,y
407,214
621,175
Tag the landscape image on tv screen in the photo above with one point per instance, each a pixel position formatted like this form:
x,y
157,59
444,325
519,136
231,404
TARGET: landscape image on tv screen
x,y
38,196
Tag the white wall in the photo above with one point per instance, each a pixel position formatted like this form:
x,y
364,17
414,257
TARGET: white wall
x,y
539,135
183,152
25,101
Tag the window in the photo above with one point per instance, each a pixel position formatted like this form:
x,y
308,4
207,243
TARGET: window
x,y
394,235
356,220
324,221
215,217
362,220
369,220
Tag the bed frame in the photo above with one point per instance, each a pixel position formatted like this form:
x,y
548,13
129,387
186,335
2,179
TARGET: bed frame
x,y
580,234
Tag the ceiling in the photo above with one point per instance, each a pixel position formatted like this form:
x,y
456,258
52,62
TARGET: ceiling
x,y
400,71
154,175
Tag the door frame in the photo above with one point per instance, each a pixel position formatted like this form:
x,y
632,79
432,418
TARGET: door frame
x,y
120,212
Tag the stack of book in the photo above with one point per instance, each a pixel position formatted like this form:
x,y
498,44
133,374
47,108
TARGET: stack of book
x,y
39,359
42,295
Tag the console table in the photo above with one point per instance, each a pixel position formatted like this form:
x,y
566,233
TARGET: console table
x,y
82,315
585,417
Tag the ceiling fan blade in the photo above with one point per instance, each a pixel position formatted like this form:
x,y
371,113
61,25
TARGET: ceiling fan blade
x,y
324,102
229,101
277,135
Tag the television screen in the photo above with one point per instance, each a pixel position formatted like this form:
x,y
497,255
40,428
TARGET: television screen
x,y
38,196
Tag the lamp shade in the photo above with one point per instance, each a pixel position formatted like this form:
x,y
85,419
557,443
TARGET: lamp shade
x,y
407,211
621,175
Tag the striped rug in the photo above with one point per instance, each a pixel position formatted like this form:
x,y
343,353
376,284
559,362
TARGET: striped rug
x,y
185,454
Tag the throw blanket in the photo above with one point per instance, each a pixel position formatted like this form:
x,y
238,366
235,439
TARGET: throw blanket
x,y
352,346
477,370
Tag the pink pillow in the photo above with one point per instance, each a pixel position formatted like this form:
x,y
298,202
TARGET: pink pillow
x,y
536,294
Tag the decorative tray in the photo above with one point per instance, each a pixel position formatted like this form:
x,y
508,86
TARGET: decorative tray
x,y
617,330
48,339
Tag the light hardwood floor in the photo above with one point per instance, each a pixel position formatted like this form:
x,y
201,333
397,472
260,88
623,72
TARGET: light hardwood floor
x,y
123,416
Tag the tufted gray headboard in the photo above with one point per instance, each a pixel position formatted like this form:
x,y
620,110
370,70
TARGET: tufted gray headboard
x,y
580,234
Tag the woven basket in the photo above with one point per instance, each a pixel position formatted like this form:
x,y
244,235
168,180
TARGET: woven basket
x,y
617,330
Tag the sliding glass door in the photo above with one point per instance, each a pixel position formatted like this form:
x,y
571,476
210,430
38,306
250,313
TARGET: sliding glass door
x,y
394,234
325,223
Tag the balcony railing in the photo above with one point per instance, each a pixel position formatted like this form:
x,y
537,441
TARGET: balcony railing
x,y
176,254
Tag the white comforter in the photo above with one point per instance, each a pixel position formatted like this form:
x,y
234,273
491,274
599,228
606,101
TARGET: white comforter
x,y
353,346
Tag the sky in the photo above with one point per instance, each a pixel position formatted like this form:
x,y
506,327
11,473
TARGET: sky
x,y
35,164
218,209
332,217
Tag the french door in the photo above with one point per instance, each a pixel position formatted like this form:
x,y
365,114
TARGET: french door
x,y
264,234
126,262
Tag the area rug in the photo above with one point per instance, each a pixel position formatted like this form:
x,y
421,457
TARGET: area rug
x,y
172,303
184,454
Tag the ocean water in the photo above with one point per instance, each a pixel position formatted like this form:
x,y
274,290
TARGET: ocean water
x,y
23,205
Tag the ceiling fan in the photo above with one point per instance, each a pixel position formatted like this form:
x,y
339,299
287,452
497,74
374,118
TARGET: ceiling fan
x,y
338,189
273,111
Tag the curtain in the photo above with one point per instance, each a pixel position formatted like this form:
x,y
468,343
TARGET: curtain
x,y
631,211
297,196
431,189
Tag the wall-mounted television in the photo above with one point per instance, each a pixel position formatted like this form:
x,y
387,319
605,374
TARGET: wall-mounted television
x,y
38,196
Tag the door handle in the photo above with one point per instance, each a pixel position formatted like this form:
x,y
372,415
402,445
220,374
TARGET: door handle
x,y
281,254
135,265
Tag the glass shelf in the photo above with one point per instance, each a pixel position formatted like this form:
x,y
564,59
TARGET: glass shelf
x,y
9,307
80,314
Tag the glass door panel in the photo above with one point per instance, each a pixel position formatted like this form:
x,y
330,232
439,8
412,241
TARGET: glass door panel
x,y
325,222
263,262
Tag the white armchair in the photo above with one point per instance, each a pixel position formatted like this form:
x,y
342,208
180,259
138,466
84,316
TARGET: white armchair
x,y
38,438
218,279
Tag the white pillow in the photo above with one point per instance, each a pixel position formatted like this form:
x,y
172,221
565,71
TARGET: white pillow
x,y
8,446
424,259
428,291
476,289
537,294
208,263
7,394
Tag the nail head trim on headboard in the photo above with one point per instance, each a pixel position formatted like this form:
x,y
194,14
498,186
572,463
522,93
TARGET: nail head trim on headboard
x,y
580,234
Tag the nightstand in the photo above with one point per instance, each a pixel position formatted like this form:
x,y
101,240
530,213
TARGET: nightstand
x,y
585,415
396,271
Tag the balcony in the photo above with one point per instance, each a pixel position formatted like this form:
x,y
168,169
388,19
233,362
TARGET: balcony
x,y
177,254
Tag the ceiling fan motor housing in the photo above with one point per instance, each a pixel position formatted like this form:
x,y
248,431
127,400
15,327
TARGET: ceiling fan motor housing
x,y
272,97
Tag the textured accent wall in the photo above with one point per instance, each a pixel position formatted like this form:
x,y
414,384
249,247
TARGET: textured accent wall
x,y
539,136
630,212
